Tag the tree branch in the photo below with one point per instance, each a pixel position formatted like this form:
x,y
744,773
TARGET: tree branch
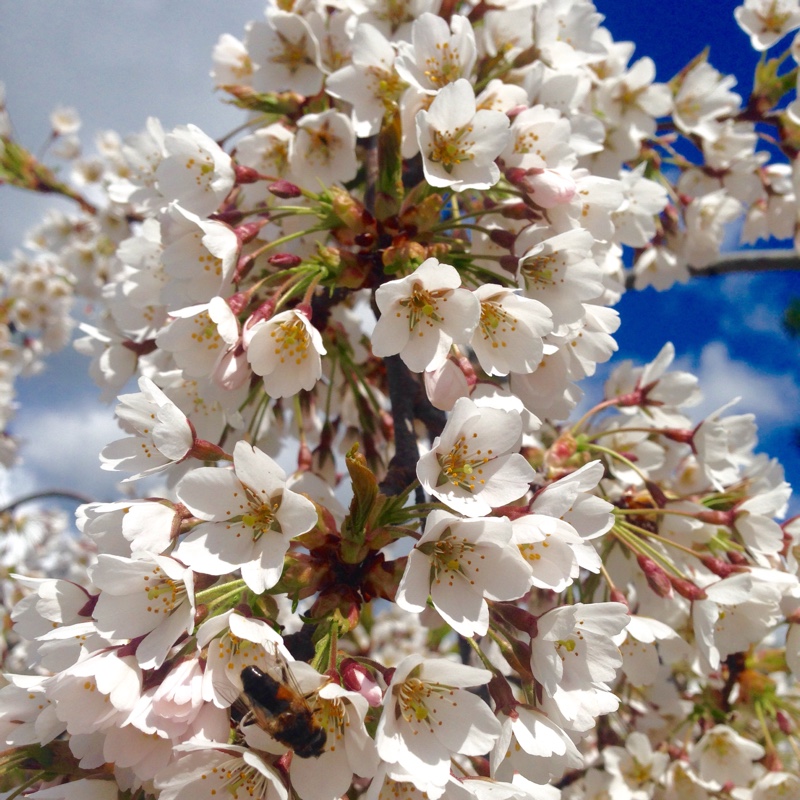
x,y
742,261
402,391
29,498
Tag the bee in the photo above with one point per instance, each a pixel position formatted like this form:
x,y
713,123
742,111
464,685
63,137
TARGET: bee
x,y
280,708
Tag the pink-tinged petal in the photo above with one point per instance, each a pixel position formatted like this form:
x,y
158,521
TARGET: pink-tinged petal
x,y
172,434
327,777
216,547
212,493
256,470
471,726
391,333
463,608
427,348
462,312
415,585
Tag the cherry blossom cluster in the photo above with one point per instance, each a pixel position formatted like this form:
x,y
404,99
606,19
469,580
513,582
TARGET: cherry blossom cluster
x,y
373,555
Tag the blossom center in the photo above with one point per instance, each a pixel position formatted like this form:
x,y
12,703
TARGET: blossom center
x,y
163,595
444,67
422,305
294,55
322,142
463,468
261,517
450,554
495,323
413,694
291,341
538,271
449,150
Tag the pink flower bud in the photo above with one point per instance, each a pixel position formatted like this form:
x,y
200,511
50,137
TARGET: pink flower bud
x,y
657,578
284,189
245,174
356,678
284,260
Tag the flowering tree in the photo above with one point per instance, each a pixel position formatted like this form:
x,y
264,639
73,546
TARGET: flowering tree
x,y
379,557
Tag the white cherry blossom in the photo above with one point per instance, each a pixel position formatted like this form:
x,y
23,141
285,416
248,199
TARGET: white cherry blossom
x,y
195,171
199,336
767,21
458,142
198,257
348,750
428,717
474,465
224,770
249,518
285,350
423,314
459,563
438,53
324,150
509,335
722,755
150,596
161,436
369,83
559,271
285,54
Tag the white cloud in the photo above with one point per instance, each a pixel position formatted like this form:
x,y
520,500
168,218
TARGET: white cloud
x,y
60,450
774,399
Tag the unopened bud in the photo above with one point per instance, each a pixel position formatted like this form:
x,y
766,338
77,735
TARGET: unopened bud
x,y
725,518
518,617
687,589
284,189
238,302
657,578
243,267
248,231
503,238
784,723
616,596
356,678
284,260
245,174
720,567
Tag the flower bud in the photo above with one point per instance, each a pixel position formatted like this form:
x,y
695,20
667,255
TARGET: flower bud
x,y
720,567
657,578
249,230
284,260
245,174
284,189
356,678
687,589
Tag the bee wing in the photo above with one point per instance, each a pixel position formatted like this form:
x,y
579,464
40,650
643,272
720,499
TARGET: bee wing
x,y
303,678
227,689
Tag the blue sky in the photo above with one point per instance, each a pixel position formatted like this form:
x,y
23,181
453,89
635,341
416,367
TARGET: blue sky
x,y
153,57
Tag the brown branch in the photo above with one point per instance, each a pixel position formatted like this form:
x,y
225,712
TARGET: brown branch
x,y
29,498
753,261
402,391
